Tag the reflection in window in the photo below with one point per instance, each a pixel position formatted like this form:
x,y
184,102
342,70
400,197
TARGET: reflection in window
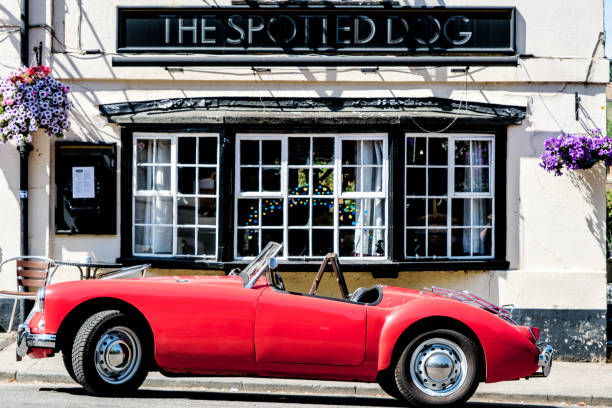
x,y
449,198
175,195
326,194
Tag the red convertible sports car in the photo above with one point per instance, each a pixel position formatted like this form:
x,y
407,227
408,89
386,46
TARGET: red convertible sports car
x,y
427,348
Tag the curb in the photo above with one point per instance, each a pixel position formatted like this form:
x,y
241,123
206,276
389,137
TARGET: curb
x,y
542,398
288,387
6,340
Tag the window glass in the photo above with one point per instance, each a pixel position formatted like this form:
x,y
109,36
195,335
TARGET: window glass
x,y
443,221
326,193
175,195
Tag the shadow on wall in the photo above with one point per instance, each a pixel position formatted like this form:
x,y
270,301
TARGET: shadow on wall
x,y
590,185
10,33
91,131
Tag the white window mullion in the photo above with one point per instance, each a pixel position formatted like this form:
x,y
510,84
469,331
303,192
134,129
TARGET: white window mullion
x,y
174,191
284,176
449,193
492,192
283,194
134,189
469,196
338,191
426,197
196,191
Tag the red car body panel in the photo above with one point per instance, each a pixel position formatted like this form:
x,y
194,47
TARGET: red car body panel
x,y
296,329
212,325
509,353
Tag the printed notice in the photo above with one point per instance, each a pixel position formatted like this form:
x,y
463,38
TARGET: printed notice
x,y
83,182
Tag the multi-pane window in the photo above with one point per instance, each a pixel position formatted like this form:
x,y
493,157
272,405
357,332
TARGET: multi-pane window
x,y
449,196
316,193
175,194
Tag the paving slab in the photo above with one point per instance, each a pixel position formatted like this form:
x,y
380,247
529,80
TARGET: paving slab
x,y
568,383
6,339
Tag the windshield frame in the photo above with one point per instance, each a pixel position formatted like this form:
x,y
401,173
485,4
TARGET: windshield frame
x,y
259,265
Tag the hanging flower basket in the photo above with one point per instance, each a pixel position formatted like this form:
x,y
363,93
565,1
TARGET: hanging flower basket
x,y
575,152
32,99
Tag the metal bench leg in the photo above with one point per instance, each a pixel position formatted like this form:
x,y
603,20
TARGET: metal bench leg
x,y
12,316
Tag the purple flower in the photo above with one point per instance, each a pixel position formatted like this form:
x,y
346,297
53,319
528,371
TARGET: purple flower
x,y
575,151
40,101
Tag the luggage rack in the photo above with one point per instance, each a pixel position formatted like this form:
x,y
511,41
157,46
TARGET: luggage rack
x,y
505,312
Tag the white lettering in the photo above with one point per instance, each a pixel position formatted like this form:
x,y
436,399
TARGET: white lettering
x,y
206,28
167,30
404,25
465,34
307,28
324,31
240,30
293,31
432,23
372,30
253,28
193,28
341,28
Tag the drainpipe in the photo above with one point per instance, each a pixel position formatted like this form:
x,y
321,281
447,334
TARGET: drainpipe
x,y
24,149
25,35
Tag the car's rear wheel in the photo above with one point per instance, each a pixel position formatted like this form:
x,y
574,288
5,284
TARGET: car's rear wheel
x,y
438,368
110,355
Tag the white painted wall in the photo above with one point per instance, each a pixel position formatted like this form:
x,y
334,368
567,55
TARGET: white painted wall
x,y
555,225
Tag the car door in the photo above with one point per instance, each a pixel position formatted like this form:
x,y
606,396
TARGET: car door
x,y
205,329
303,329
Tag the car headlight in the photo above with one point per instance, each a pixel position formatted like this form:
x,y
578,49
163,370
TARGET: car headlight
x,y
39,304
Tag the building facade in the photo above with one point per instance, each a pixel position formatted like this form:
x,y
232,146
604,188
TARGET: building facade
x,y
403,136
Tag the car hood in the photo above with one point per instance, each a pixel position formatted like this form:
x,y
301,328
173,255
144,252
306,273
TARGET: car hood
x,y
199,280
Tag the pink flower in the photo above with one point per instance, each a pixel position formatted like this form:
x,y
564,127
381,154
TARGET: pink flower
x,y
7,101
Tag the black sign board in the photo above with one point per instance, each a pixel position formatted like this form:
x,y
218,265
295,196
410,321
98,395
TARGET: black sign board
x,y
346,30
86,188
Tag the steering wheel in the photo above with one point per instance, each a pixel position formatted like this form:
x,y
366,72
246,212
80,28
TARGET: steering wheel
x,y
279,281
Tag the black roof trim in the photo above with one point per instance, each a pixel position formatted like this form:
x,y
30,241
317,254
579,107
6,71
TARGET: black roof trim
x,y
397,107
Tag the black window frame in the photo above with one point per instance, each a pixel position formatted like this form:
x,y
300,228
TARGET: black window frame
x,y
394,262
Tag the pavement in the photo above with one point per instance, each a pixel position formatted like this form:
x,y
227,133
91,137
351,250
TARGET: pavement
x,y
568,383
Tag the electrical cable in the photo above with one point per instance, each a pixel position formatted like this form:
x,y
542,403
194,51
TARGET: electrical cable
x,y
456,115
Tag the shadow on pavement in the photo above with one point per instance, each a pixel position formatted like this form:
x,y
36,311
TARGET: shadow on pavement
x,y
273,398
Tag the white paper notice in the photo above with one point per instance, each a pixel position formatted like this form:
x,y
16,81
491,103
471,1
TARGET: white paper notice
x,y
83,182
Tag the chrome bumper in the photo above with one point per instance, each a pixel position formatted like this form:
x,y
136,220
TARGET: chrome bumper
x,y
544,360
27,340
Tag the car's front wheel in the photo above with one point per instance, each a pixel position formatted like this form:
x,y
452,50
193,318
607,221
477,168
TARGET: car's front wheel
x,y
438,368
110,355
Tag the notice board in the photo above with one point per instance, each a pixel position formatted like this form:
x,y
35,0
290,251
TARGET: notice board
x,y
86,188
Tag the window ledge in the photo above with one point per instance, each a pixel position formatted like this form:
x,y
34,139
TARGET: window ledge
x,y
379,269
173,263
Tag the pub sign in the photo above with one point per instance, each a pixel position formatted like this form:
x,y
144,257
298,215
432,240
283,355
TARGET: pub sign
x,y
338,30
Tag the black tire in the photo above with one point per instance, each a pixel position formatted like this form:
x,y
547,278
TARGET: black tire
x,y
438,368
386,380
101,371
67,358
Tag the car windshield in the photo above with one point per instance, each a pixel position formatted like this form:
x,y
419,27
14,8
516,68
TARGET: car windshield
x,y
257,267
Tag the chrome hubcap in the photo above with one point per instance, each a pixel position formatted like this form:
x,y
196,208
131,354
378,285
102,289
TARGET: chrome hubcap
x,y
438,367
118,355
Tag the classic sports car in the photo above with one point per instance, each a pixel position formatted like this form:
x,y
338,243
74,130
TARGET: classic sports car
x,y
426,348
